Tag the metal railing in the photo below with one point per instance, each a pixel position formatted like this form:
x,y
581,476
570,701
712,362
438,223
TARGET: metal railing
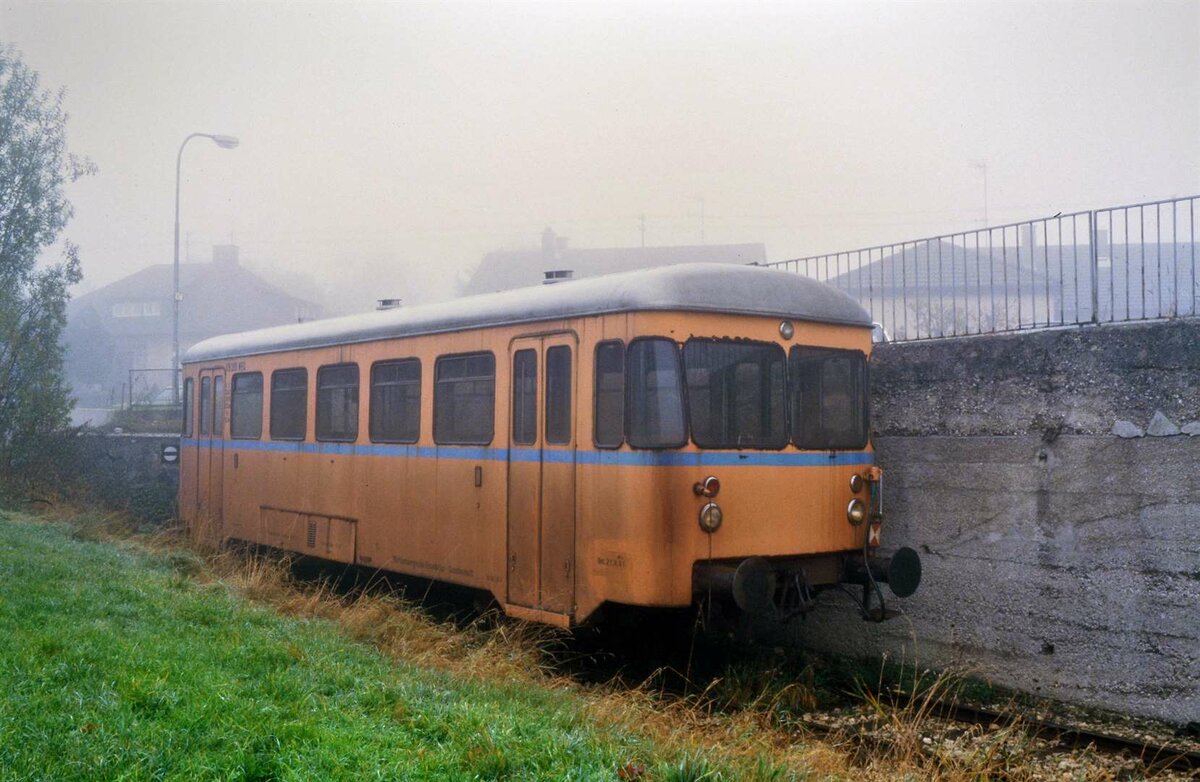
x,y
151,388
1121,263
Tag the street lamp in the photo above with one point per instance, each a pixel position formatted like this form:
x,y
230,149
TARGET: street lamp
x,y
225,142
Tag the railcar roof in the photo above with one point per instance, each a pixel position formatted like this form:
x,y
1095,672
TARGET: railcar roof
x,y
699,287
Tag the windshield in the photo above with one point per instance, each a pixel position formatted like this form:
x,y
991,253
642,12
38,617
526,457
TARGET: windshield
x,y
828,398
736,394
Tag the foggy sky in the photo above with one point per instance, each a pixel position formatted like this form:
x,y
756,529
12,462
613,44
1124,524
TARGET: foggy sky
x,y
385,148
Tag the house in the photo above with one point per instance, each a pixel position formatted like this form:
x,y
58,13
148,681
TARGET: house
x,y
128,325
503,270
950,286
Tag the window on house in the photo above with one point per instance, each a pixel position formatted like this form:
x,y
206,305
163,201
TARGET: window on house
x,y
395,415
246,406
289,404
337,403
464,399
655,395
136,309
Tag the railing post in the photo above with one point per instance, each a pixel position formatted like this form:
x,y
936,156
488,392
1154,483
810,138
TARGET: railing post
x,y
1095,262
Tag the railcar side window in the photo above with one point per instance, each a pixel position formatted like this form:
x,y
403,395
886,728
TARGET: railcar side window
x,y
558,395
655,395
218,429
246,405
289,404
828,398
188,407
337,403
736,394
524,400
610,394
205,405
464,399
396,401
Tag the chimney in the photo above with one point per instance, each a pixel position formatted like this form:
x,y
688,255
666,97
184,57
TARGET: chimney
x,y
557,275
225,255
389,304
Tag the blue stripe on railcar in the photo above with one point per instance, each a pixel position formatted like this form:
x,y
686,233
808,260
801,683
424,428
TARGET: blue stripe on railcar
x,y
622,458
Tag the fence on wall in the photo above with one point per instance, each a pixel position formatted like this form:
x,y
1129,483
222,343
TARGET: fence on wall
x,y
1120,263
151,388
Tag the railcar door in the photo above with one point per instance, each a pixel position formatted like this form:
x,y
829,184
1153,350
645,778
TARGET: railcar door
x,y
211,455
541,474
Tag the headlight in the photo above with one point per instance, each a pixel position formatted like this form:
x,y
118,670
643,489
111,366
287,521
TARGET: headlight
x,y
856,483
856,511
710,518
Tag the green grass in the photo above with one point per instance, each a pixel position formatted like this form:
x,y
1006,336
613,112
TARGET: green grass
x,y
116,663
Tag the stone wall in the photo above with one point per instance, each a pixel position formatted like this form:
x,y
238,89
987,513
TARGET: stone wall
x,y
1059,558
127,472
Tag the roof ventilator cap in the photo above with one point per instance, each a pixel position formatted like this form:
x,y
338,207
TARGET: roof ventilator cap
x,y
557,275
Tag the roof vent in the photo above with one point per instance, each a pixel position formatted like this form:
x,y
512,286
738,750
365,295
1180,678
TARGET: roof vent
x,y
389,304
557,275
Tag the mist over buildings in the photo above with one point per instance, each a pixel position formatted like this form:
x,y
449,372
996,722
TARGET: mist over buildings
x,y
385,149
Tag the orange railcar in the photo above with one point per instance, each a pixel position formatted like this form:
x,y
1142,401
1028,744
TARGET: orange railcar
x,y
645,438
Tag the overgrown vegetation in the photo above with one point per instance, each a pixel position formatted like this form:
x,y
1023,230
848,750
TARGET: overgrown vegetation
x,y
34,169
132,652
125,662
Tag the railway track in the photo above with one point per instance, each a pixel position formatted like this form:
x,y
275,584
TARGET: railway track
x,y
1154,756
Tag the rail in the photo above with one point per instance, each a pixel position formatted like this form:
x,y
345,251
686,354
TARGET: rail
x,y
1115,264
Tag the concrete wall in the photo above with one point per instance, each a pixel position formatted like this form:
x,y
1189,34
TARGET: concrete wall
x,y
126,471
1059,558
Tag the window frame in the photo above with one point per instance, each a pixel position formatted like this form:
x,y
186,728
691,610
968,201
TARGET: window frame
x,y
350,437
371,399
271,418
549,401
866,397
189,407
218,406
596,394
206,406
787,427
518,395
683,401
436,383
233,398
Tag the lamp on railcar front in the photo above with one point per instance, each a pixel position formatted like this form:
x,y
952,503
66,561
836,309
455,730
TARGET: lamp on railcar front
x,y
709,487
856,483
856,511
711,517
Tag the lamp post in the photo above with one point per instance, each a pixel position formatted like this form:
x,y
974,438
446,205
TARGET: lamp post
x,y
225,142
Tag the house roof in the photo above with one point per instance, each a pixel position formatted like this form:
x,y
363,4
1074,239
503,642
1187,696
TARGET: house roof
x,y
504,270
218,297
937,264
699,287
